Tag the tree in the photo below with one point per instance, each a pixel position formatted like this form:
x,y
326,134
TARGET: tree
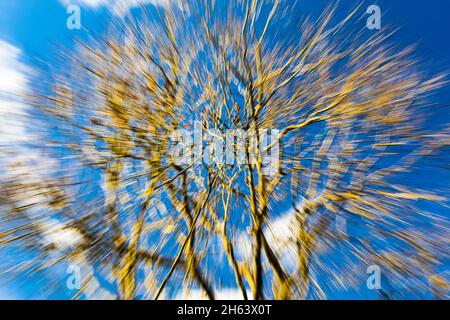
x,y
200,123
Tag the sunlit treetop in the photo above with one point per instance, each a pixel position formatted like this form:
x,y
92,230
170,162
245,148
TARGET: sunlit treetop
x,y
302,215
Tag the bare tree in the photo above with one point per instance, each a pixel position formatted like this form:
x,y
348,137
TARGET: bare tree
x,y
185,134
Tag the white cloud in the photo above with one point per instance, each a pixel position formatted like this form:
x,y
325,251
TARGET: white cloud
x,y
14,116
219,294
13,84
280,233
59,235
89,3
13,78
119,7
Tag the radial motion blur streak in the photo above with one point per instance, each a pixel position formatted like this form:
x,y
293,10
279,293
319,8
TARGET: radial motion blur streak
x,y
227,149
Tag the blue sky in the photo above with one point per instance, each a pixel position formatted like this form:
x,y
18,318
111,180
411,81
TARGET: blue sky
x,y
36,27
